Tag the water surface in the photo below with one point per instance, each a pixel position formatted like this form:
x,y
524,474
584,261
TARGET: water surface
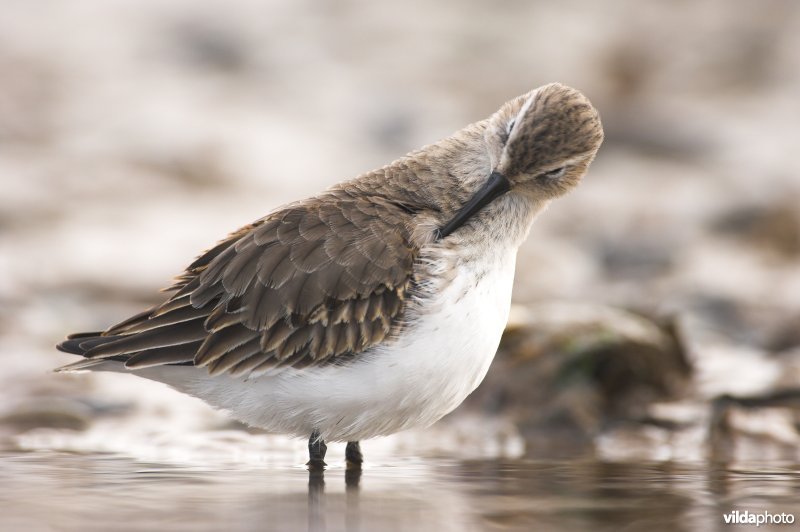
x,y
48,490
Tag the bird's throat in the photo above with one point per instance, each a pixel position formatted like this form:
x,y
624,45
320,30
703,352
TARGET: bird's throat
x,y
495,186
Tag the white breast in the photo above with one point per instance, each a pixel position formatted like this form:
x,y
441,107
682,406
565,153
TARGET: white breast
x,y
447,353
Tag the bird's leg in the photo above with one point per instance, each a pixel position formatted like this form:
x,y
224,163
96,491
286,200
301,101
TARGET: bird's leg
x,y
352,454
316,451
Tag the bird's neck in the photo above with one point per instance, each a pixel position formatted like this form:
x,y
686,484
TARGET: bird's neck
x,y
439,177
502,224
437,180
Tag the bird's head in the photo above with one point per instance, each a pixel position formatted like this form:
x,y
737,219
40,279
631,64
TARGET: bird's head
x,y
543,141
540,145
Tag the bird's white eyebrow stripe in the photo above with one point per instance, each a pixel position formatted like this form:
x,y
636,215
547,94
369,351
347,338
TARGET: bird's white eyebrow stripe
x,y
574,160
525,107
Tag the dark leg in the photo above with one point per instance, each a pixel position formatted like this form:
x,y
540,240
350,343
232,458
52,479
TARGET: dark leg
x,y
316,452
353,455
352,475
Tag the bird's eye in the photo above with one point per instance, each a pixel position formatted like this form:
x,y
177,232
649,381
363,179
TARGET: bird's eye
x,y
554,174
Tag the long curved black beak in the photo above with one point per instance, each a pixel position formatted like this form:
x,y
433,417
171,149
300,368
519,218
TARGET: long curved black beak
x,y
496,186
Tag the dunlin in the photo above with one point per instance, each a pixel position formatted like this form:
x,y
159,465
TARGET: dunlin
x,y
374,306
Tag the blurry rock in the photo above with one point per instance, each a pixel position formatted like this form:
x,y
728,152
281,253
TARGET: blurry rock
x,y
210,44
564,371
199,168
774,227
629,259
760,427
743,321
44,413
785,336
630,441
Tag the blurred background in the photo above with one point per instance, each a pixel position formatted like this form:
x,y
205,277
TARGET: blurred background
x,y
657,307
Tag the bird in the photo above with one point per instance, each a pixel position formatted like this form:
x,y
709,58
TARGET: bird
x,y
374,306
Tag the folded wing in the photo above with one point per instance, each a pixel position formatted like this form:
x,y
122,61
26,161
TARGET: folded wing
x,y
317,280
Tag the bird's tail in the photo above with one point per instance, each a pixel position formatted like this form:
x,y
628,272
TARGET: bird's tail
x,y
81,344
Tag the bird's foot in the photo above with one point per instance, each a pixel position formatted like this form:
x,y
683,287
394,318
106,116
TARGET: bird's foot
x,y
316,465
352,454
316,452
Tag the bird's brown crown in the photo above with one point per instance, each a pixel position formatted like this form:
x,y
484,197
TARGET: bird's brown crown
x,y
544,141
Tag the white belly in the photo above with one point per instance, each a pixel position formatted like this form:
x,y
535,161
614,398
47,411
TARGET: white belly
x,y
414,381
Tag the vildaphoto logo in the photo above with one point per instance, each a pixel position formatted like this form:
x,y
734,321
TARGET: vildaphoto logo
x,y
762,518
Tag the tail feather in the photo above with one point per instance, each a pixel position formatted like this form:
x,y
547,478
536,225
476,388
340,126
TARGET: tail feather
x,y
81,343
169,334
74,336
181,333
73,343
83,364
137,357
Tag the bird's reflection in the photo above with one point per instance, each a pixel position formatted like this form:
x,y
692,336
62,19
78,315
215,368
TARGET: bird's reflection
x,y
316,498
352,478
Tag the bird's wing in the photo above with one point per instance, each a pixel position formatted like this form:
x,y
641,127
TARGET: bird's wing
x,y
317,280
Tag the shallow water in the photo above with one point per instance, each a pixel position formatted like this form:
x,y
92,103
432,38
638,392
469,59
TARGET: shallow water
x,y
48,490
